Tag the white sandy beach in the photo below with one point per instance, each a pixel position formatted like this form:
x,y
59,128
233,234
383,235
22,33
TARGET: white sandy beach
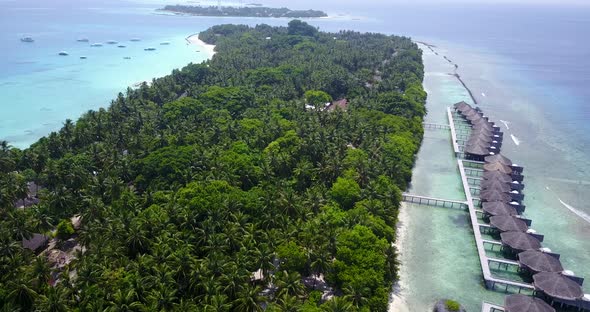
x,y
397,301
209,48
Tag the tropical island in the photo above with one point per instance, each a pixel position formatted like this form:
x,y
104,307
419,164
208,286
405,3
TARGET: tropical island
x,y
267,178
256,11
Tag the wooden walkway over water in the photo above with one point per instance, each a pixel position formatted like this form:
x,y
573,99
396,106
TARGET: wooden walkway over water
x,y
490,307
433,201
435,126
466,169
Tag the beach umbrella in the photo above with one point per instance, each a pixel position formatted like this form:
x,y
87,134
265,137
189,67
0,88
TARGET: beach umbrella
x,y
557,285
497,167
477,150
495,185
538,261
522,303
497,175
520,241
508,223
498,209
498,158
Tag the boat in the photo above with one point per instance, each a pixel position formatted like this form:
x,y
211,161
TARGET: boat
x,y
127,57
135,39
150,49
96,45
27,39
165,43
121,46
83,57
63,53
112,42
82,40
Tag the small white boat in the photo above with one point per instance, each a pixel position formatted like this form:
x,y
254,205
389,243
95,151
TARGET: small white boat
x,y
150,49
63,53
121,46
127,57
165,43
112,42
83,40
96,45
135,39
83,57
27,39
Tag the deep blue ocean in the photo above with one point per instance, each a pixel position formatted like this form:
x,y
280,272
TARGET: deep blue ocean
x,y
527,65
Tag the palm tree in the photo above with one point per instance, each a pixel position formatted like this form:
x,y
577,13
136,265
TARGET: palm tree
x,y
290,284
338,304
55,300
41,271
217,303
288,304
356,295
20,293
124,301
162,300
249,299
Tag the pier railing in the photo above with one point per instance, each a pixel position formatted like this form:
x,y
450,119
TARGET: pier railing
x,y
435,126
432,201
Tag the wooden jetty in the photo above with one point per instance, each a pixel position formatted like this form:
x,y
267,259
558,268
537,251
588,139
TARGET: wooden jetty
x,y
435,126
432,201
453,132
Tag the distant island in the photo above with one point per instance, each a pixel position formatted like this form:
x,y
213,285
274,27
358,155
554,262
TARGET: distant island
x,y
242,11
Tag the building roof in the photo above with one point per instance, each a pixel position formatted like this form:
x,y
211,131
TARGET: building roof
x,y
520,241
557,285
498,209
497,175
36,242
538,261
496,166
461,105
495,185
494,195
340,104
498,158
522,303
477,150
508,223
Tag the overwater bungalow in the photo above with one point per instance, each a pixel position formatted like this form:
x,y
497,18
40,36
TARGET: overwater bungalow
x,y
538,261
520,241
494,196
476,152
498,209
497,167
499,158
495,185
508,223
558,285
523,303
461,105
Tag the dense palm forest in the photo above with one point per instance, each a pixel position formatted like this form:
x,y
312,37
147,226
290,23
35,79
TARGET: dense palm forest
x,y
226,186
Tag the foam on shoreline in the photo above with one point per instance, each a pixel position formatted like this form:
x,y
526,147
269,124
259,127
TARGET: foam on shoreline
x,y
397,302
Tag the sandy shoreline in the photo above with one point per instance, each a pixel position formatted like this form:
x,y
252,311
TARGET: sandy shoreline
x,y
192,40
397,302
209,48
